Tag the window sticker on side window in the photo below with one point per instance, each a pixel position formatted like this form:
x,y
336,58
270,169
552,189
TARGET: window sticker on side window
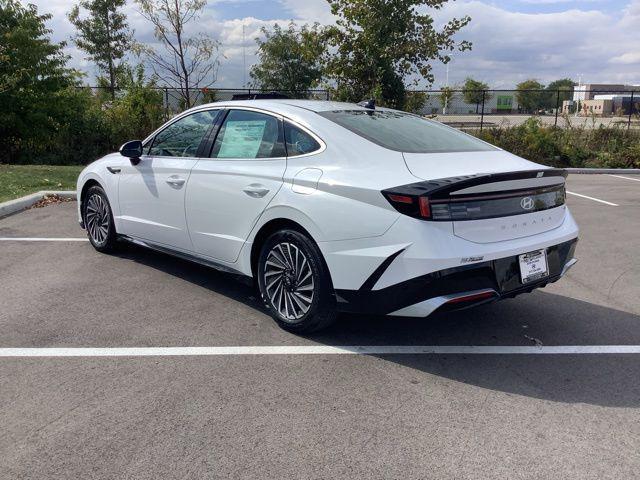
x,y
242,138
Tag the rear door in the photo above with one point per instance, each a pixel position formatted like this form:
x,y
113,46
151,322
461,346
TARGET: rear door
x,y
229,190
151,194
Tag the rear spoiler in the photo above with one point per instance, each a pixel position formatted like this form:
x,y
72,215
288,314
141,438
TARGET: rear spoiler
x,y
443,187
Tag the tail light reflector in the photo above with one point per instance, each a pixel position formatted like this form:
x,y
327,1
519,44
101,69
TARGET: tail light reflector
x,y
473,297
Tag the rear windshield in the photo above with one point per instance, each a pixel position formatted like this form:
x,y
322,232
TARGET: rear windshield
x,y
405,132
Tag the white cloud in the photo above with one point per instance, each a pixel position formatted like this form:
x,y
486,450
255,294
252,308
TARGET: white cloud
x,y
629,58
507,46
310,10
554,2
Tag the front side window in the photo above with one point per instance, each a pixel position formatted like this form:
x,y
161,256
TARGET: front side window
x,y
247,135
182,138
404,132
298,141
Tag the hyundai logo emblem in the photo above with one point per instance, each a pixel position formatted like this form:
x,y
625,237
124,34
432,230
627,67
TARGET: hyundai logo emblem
x,y
526,203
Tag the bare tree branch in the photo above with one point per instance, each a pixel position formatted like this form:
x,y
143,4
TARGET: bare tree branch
x,y
186,62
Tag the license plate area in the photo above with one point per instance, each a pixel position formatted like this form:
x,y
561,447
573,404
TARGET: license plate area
x,y
533,266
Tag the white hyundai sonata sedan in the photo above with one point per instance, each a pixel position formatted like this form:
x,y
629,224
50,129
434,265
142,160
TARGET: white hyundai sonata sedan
x,y
335,207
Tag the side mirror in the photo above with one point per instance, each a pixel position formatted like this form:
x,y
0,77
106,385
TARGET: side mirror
x,y
132,150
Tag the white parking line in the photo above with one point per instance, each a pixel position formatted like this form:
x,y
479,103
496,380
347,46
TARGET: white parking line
x,y
594,199
319,350
626,178
42,239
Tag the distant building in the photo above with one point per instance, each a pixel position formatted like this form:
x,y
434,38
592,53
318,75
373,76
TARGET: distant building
x,y
598,107
590,90
603,99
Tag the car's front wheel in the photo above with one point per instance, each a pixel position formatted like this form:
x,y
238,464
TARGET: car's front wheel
x,y
98,220
294,282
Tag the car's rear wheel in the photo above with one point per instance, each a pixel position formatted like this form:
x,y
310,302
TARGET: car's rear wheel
x,y
98,220
294,282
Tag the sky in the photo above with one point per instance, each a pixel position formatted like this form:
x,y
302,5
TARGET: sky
x,y
597,41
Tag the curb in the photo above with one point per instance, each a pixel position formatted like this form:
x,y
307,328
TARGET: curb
x,y
19,204
598,171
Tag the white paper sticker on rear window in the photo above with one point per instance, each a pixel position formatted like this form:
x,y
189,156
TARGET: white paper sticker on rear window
x,y
242,138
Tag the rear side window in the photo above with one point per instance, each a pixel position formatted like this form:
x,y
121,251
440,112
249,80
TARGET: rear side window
x,y
247,135
298,141
182,138
404,132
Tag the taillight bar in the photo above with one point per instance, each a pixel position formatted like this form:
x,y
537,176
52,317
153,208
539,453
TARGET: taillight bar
x,y
475,206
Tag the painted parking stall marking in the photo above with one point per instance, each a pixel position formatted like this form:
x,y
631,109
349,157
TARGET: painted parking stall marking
x,y
594,199
320,350
626,178
42,239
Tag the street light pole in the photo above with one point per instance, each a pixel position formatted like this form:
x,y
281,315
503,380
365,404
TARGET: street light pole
x,y
446,92
244,60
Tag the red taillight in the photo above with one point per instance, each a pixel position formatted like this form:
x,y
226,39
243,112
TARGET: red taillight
x,y
425,209
412,205
400,198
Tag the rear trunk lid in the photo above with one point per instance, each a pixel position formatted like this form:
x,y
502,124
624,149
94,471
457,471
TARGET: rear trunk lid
x,y
491,196
429,166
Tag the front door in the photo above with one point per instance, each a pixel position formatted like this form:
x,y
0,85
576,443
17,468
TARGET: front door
x,y
228,192
151,194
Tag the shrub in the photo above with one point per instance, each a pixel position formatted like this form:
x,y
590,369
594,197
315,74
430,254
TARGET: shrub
x,y
87,125
604,147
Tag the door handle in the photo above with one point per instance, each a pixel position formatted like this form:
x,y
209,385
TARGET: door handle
x,y
256,190
175,181
114,169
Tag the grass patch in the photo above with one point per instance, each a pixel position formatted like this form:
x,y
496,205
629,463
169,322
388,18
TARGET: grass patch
x,y
19,180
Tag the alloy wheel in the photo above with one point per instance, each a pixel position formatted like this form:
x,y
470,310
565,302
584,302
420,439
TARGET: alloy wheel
x,y
288,281
97,218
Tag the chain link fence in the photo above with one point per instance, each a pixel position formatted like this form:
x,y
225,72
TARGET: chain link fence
x,y
470,109
478,109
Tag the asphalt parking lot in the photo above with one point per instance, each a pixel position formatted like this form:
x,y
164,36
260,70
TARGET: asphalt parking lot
x,y
545,414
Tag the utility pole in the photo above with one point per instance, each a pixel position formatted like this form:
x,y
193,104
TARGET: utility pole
x,y
579,94
630,110
244,59
446,98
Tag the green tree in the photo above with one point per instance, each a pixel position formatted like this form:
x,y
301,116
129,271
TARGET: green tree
x,y
138,111
33,81
414,101
531,96
475,91
446,95
377,44
559,91
104,35
187,61
289,59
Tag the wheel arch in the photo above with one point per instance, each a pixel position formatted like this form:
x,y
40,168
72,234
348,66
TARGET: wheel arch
x,y
91,182
269,228
88,183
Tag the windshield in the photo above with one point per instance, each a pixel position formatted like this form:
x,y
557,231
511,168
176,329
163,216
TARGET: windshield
x,y
404,132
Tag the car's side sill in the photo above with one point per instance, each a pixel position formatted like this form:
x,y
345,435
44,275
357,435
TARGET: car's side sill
x,y
182,255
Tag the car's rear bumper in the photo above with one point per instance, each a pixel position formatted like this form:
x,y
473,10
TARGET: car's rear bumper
x,y
457,287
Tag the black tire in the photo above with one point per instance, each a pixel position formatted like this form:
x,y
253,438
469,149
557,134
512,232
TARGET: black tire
x,y
321,309
98,220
